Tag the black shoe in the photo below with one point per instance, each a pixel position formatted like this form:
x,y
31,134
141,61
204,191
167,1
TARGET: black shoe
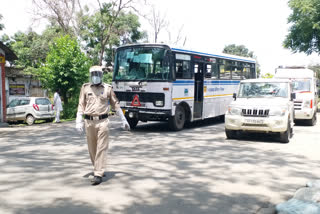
x,y
96,180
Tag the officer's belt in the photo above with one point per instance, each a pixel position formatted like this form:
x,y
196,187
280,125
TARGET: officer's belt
x,y
100,117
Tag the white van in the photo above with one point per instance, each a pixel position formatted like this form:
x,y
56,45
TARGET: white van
x,y
305,87
262,105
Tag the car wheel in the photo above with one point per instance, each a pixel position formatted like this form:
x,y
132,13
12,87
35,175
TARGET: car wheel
x,y
285,136
231,134
30,120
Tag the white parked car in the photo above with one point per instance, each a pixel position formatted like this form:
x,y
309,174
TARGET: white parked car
x,y
262,105
29,109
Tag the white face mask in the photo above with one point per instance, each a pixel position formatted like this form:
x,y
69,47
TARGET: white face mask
x,y
96,80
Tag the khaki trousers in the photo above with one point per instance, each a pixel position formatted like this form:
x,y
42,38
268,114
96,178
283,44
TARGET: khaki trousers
x,y
97,138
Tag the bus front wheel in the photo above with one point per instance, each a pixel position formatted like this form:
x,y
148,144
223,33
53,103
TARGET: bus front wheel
x,y
132,122
176,122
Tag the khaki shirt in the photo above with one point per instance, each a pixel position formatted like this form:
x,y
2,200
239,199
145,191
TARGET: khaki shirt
x,y
94,99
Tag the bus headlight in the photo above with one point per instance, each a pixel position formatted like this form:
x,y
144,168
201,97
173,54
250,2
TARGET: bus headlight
x,y
280,111
158,103
234,110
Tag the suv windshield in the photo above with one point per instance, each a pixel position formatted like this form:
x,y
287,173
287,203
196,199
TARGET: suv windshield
x,y
301,85
263,89
142,63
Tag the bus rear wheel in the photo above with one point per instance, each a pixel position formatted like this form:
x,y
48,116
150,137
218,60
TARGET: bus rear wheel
x,y
176,122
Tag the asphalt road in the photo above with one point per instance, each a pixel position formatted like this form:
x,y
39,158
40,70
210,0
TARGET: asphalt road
x,y
45,168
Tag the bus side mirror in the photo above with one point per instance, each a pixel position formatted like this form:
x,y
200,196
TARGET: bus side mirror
x,y
293,96
234,96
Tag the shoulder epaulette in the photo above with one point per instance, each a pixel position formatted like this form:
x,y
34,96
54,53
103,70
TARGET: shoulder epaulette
x,y
107,85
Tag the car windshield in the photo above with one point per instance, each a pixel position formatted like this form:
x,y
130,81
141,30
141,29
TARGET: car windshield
x,y
301,85
263,89
142,63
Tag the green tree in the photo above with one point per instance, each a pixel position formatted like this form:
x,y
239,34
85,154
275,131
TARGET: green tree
x,y
108,27
66,68
239,50
304,33
267,76
1,25
30,47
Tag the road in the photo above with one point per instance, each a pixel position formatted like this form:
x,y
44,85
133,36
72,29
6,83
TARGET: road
x,y
45,168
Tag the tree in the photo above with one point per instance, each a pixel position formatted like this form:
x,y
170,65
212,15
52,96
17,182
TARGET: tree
x,y
108,28
157,21
1,25
239,50
267,76
66,68
30,47
60,12
304,33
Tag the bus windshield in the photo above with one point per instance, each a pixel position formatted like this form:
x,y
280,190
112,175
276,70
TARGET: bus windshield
x,y
300,85
142,63
264,89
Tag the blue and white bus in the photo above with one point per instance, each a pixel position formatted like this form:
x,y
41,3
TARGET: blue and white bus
x,y
155,82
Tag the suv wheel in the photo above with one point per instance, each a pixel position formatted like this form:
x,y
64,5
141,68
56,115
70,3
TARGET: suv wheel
x,y
30,120
231,134
285,136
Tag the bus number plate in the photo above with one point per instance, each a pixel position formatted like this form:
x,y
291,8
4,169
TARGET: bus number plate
x,y
135,88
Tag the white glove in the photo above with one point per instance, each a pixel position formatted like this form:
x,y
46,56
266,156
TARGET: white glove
x,y
125,125
79,123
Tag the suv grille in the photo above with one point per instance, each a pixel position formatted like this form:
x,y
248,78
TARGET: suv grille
x,y
255,112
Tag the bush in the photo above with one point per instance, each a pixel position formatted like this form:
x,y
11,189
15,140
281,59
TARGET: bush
x,y
70,109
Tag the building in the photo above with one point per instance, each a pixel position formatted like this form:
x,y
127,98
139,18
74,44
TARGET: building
x,y
21,84
5,54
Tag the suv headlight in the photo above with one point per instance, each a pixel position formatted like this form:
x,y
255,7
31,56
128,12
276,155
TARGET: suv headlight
x,y
278,111
234,110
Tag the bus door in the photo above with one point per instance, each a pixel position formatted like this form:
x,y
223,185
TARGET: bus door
x,y
198,90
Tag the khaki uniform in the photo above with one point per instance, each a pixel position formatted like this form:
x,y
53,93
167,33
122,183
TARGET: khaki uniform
x,y
94,101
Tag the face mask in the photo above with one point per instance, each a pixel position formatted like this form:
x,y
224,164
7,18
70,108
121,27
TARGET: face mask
x,y
96,80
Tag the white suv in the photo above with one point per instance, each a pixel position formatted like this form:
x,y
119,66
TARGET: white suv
x,y
262,105
29,109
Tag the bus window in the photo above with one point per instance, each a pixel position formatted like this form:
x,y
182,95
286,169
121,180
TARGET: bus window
x,y
183,70
225,72
253,71
236,73
212,71
208,70
246,73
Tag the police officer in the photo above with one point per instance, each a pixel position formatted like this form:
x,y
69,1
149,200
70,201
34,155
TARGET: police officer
x,y
94,107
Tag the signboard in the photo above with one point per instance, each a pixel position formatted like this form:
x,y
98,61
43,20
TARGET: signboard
x,y
17,89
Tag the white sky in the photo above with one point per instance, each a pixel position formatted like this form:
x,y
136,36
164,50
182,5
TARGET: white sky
x,y
209,25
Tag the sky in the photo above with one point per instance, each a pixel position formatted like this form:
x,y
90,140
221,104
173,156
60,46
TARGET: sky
x,y
208,26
